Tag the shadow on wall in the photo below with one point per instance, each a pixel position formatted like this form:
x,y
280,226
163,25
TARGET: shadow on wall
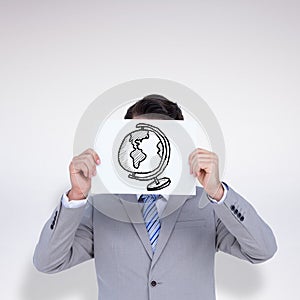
x,y
237,277
233,276
77,283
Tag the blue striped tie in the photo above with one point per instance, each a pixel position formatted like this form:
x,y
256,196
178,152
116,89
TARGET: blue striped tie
x,y
151,218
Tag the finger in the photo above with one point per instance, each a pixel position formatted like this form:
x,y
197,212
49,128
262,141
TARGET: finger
x,y
94,155
189,162
90,166
80,167
198,165
90,161
200,153
82,159
197,153
201,150
192,157
198,161
192,154
207,155
82,164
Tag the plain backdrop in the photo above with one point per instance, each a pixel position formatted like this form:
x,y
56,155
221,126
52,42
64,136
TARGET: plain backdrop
x,y
241,57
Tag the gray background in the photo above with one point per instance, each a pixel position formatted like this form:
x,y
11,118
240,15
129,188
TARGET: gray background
x,y
242,57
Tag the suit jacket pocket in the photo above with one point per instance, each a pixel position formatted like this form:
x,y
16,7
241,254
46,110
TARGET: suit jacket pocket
x,y
191,223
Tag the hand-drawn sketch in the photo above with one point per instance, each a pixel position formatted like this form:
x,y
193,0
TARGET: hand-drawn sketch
x,y
145,153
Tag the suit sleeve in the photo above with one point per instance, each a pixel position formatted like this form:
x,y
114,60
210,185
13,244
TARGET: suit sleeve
x,y
241,232
66,239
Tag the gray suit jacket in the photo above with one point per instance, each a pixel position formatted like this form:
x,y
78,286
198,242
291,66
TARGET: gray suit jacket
x,y
110,228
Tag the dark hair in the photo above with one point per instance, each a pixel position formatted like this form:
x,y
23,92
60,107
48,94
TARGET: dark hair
x,y
155,105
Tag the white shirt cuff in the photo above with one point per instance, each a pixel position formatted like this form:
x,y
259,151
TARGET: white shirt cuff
x,y
72,203
223,197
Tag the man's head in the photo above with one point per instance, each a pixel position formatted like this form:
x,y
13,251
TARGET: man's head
x,y
154,106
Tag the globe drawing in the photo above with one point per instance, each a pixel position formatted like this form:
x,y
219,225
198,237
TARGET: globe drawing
x,y
145,153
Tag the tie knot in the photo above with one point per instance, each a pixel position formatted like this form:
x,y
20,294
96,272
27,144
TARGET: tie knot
x,y
149,197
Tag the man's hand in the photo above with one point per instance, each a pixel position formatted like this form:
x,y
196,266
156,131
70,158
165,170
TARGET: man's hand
x,y
82,168
205,166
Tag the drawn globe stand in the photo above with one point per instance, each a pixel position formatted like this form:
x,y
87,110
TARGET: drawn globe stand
x,y
135,160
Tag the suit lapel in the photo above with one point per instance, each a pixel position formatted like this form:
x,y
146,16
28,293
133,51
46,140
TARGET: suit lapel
x,y
134,213
168,221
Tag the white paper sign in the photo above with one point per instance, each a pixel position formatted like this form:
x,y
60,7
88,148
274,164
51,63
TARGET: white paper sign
x,y
145,157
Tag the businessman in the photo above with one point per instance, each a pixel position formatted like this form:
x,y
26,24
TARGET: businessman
x,y
157,253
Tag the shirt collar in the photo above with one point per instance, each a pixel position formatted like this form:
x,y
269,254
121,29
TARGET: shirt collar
x,y
162,196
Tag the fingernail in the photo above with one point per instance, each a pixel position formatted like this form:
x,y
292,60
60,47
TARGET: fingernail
x,y
98,161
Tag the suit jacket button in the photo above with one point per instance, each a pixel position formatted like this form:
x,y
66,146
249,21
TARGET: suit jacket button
x,y
153,283
232,207
236,211
239,215
242,218
52,226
